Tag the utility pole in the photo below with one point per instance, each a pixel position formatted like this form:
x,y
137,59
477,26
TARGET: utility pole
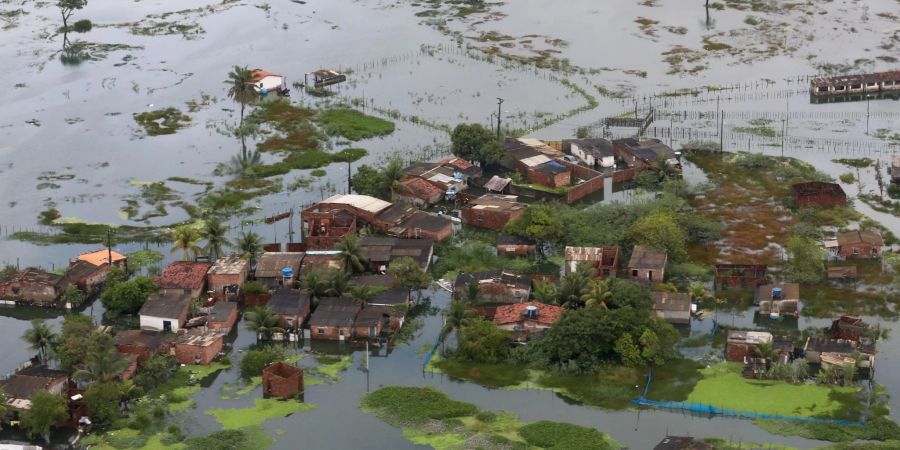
x,y
291,226
783,130
499,113
722,132
109,260
867,114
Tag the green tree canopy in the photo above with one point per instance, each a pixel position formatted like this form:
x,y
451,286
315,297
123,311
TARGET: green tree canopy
x,y
68,7
408,274
46,411
476,143
74,341
661,231
351,257
540,222
40,338
102,363
806,260
128,297
102,400
483,343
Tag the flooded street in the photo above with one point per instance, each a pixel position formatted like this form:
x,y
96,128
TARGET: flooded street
x,y
69,140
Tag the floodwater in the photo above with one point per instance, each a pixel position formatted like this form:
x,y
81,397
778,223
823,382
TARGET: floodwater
x,y
68,138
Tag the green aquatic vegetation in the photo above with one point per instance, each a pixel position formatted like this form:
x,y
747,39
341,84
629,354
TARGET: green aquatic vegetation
x,y
144,258
318,173
162,121
412,405
332,366
352,124
557,435
759,127
858,163
847,178
887,135
264,409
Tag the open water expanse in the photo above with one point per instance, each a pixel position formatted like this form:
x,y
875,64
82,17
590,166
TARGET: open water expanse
x,y
68,137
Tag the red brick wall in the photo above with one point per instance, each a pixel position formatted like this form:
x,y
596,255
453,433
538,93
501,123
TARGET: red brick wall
x,y
584,189
621,176
217,282
363,332
819,200
863,251
494,220
281,386
515,250
226,325
143,353
185,354
256,300
737,352
330,334
644,274
548,179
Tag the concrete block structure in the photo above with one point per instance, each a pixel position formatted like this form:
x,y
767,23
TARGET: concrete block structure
x,y
282,380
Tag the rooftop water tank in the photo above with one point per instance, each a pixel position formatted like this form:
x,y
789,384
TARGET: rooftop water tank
x,y
287,272
776,293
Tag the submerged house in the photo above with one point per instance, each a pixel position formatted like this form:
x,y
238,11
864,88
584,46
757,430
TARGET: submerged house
x,y
526,319
645,154
325,77
228,274
493,211
603,260
818,194
291,306
265,82
33,286
860,244
199,346
495,286
373,320
26,382
647,265
143,344
852,84
740,276
88,270
222,316
165,311
333,319
513,246
381,251
777,300
673,307
840,352
281,380
418,192
327,222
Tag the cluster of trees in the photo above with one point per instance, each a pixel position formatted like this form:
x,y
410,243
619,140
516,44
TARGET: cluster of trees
x,y
380,182
124,296
91,358
187,239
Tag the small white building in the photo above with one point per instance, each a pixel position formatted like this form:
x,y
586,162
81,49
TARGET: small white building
x,y
265,82
594,152
166,311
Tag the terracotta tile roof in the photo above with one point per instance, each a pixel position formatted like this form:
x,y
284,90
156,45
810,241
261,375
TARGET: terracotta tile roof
x,y
259,74
422,189
515,313
459,163
183,275
100,257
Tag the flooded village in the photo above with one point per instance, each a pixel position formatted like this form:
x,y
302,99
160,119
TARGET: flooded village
x,y
380,224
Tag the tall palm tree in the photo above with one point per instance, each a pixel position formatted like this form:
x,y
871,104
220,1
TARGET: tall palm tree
x,y
596,294
250,244
102,363
186,239
457,317
392,173
699,292
214,232
338,283
39,338
263,323
572,287
545,292
315,284
241,88
351,256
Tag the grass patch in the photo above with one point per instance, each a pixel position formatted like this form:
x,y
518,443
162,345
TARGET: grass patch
x,y
352,124
330,366
759,127
162,121
412,405
858,163
264,409
847,178
723,386
556,435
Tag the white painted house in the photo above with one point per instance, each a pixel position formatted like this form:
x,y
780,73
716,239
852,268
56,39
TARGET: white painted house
x,y
594,152
165,311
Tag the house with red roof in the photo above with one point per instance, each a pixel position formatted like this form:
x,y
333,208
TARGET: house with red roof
x,y
526,319
185,276
418,192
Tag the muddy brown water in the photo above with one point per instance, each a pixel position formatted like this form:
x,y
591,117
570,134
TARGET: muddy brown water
x,y
77,120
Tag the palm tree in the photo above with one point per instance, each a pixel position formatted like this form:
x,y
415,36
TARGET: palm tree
x,y
596,294
187,240
338,283
214,232
699,292
545,292
241,89
351,256
360,293
473,293
572,287
250,244
102,363
315,284
263,322
392,173
39,338
766,350
457,317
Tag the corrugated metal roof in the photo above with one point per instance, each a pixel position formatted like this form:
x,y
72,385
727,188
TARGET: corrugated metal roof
x,y
363,202
535,160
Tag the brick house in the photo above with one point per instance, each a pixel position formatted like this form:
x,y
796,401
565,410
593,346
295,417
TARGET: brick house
x,y
188,277
291,305
282,380
85,276
493,211
227,271
270,265
165,311
849,328
818,194
647,265
782,299
143,343
860,244
673,307
840,352
743,344
33,286
333,319
327,222
552,174
740,276
645,154
603,260
595,153
418,192
402,220
526,319
199,346
102,257
513,246
374,319
495,286
222,316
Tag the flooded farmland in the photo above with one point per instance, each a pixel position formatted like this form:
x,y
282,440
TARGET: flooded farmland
x,y
71,142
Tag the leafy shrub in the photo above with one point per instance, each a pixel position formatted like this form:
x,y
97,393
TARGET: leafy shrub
x,y
556,435
253,288
254,361
82,26
415,405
